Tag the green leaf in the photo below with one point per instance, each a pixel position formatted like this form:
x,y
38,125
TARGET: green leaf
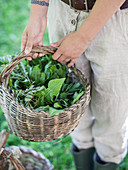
x,y
77,96
35,74
53,111
5,59
2,67
16,84
39,98
54,87
47,66
62,71
42,78
75,87
28,69
57,105
67,80
10,82
63,95
23,68
64,87
28,98
69,87
64,103
44,108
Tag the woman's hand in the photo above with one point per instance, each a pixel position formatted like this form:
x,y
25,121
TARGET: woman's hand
x,y
74,44
70,48
34,31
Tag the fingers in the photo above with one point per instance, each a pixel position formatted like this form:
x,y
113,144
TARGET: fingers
x,y
27,42
40,43
23,41
57,55
63,59
29,45
35,55
28,58
57,44
67,61
72,62
41,54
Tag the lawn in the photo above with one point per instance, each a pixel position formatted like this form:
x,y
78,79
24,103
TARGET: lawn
x,y
14,17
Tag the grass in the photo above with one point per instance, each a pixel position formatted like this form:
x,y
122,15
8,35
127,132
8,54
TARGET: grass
x,y
14,18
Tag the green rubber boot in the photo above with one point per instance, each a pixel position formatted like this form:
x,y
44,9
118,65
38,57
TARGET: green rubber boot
x,y
83,159
104,166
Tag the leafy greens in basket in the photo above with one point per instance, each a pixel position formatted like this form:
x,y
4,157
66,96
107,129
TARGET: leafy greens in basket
x,y
42,84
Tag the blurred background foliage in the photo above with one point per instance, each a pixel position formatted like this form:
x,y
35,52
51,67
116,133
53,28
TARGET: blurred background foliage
x,y
14,17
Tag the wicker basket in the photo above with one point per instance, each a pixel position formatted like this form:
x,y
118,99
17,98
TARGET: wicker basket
x,y
29,158
21,158
35,125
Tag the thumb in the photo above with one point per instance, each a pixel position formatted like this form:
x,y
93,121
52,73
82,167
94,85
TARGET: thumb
x,y
57,44
29,45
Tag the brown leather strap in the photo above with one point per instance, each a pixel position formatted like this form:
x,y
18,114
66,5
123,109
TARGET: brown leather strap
x,y
80,4
125,5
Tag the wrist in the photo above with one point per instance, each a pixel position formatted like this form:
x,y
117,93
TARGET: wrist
x,y
38,11
84,35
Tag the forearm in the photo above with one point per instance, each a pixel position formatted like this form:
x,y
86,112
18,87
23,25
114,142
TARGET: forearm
x,y
35,29
100,14
38,10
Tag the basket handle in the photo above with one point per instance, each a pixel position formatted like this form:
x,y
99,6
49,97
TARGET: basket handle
x,y
5,74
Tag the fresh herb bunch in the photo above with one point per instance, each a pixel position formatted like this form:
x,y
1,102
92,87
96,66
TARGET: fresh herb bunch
x,y
42,84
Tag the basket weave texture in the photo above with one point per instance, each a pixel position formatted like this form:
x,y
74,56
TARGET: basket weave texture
x,y
21,158
35,125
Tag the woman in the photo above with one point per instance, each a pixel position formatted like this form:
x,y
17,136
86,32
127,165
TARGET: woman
x,y
94,35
